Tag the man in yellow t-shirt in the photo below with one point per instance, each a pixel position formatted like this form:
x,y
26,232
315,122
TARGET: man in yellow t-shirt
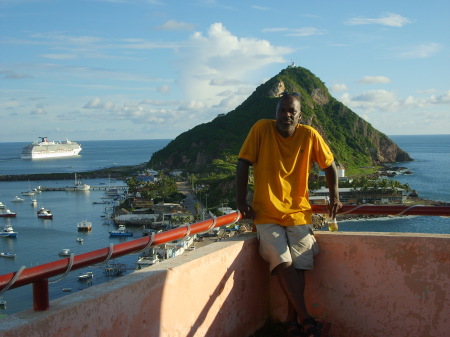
x,y
282,153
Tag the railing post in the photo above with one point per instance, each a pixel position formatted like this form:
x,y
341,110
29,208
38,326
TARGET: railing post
x,y
40,295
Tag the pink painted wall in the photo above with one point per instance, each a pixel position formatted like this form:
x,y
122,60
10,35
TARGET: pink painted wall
x,y
211,291
375,284
366,284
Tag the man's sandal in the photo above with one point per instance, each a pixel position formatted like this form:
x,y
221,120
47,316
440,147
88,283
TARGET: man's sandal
x,y
293,329
311,328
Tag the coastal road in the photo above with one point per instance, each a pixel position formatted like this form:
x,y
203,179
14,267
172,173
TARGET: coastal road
x,y
191,200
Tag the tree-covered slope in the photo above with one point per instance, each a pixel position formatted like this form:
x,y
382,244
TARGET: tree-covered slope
x,y
212,146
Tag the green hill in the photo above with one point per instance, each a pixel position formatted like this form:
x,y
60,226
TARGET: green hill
x,y
213,146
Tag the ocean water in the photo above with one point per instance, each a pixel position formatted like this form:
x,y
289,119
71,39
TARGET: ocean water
x,y
95,155
430,178
39,241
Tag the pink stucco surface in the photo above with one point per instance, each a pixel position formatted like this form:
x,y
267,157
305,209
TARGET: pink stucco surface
x,y
367,284
211,291
375,284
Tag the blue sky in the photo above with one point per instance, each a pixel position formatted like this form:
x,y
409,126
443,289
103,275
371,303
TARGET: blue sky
x,y
148,69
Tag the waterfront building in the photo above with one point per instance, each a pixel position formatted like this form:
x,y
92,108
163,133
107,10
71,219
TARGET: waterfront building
x,y
362,196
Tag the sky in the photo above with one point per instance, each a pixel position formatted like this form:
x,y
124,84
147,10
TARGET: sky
x,y
153,69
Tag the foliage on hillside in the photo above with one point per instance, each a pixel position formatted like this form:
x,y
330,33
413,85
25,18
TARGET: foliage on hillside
x,y
354,142
210,150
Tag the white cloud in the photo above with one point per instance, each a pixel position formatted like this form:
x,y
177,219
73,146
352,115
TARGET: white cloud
x,y
261,8
220,59
220,81
422,51
374,80
372,101
304,31
97,104
218,71
38,110
387,101
164,89
58,56
192,105
274,30
69,39
393,115
226,93
179,115
410,101
176,25
338,87
389,19
92,104
442,99
229,103
12,75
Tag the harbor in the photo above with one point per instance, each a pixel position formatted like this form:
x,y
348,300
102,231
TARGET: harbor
x,y
31,240
40,240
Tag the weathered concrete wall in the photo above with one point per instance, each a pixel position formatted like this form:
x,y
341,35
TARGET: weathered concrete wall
x,y
218,290
367,284
379,284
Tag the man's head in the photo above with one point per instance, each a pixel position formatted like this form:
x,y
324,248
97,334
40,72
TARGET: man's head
x,y
288,113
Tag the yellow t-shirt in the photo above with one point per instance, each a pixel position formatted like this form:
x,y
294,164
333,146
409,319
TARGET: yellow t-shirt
x,y
281,168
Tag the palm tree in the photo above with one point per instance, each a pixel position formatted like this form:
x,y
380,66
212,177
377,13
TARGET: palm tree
x,y
384,184
406,187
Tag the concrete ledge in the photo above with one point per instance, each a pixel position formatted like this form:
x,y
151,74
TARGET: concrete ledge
x,y
217,290
367,284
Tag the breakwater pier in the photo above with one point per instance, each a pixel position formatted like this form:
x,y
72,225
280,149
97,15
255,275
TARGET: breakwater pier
x,y
91,188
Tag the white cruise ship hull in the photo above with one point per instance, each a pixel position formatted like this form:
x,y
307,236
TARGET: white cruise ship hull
x,y
51,154
46,149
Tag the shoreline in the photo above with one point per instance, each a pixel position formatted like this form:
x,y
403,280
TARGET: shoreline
x,y
112,172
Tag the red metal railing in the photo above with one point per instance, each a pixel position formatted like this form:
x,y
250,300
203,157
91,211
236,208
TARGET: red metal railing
x,y
395,210
39,275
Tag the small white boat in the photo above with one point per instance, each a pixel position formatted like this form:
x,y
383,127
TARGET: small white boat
x,y
80,240
6,213
8,231
85,276
84,226
112,192
33,202
64,252
121,231
8,254
28,193
2,205
67,290
44,214
78,186
17,199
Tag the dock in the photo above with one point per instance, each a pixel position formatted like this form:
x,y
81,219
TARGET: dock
x,y
92,188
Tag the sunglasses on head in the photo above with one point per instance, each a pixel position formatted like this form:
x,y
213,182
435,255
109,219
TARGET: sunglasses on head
x,y
286,93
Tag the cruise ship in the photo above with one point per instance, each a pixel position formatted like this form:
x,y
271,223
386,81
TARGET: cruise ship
x,y
44,148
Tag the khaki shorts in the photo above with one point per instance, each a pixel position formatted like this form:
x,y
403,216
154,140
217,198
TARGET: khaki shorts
x,y
293,244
